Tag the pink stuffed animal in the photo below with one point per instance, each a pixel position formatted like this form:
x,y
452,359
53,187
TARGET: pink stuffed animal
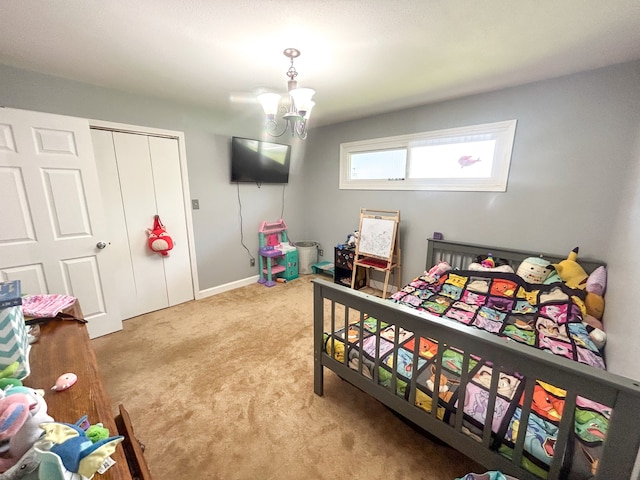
x,y
439,269
159,240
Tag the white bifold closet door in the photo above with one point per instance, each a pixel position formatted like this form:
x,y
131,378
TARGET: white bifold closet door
x,y
140,177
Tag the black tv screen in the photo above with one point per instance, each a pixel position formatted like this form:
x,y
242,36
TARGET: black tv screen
x,y
256,161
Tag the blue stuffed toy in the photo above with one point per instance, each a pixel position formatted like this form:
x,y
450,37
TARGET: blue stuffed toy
x,y
77,452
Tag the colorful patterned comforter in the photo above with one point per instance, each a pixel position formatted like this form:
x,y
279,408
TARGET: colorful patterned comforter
x,y
546,317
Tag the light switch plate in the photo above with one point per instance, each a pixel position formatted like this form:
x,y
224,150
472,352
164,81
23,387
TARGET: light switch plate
x,y
195,204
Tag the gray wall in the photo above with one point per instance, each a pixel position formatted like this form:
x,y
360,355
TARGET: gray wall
x,y
573,178
221,258
572,182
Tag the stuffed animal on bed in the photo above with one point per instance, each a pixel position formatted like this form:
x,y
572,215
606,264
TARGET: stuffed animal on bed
x,y
534,269
438,269
595,329
571,272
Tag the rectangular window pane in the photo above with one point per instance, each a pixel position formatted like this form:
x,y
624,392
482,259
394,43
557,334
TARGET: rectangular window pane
x,y
380,165
453,160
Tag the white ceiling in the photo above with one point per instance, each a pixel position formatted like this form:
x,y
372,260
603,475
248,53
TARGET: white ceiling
x,y
361,56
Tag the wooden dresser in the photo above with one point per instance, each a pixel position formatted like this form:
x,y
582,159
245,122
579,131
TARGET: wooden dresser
x,y
63,347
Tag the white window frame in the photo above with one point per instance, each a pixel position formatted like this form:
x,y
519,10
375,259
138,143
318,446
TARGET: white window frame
x,y
502,132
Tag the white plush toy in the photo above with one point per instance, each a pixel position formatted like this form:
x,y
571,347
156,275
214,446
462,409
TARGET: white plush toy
x,y
352,238
22,410
534,269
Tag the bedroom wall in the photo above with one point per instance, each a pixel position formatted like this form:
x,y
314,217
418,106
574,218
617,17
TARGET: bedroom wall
x,y
623,327
572,181
221,259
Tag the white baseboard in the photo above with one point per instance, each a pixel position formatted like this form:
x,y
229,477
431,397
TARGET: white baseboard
x,y
250,280
209,292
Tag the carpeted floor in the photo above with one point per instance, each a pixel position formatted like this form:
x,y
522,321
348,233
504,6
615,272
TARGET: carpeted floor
x,y
222,388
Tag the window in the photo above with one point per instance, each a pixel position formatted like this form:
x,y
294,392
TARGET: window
x,y
473,158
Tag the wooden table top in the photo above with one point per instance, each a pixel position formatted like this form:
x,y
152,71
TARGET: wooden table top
x,y
64,347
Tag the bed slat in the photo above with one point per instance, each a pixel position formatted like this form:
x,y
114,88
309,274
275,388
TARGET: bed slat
x,y
567,423
527,401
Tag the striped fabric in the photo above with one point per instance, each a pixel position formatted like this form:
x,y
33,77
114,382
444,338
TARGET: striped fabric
x,y
14,343
46,305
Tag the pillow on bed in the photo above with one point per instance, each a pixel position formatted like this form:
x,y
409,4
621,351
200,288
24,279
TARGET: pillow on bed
x,y
488,263
597,281
479,267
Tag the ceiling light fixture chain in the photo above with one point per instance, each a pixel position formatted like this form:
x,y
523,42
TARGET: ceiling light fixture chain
x,y
292,53
295,116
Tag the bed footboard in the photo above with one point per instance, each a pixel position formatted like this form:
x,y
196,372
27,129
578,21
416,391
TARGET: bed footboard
x,y
338,308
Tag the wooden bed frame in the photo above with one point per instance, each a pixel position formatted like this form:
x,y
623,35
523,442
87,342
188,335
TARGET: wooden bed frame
x,y
335,306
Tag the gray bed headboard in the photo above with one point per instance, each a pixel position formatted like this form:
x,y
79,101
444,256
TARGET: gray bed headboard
x,y
460,255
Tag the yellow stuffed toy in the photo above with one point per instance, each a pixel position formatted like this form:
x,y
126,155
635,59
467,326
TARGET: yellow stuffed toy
x,y
594,304
570,271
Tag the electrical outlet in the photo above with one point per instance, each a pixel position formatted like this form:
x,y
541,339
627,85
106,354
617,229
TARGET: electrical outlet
x,y
252,262
321,252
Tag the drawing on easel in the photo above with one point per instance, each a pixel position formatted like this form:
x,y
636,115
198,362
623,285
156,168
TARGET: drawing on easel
x,y
378,246
376,236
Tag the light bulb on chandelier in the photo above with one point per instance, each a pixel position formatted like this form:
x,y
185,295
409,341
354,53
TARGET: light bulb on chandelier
x,y
294,118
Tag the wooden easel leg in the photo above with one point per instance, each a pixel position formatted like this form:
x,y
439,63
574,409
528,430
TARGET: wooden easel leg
x,y
353,276
386,283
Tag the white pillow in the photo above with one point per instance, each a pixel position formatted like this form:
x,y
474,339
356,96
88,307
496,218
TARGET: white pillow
x,y
480,268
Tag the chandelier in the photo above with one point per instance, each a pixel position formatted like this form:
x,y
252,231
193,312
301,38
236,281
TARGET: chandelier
x,y
295,116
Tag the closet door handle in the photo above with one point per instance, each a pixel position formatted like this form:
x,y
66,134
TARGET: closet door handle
x,y
101,245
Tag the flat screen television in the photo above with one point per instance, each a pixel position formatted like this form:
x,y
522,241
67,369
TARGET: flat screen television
x,y
256,161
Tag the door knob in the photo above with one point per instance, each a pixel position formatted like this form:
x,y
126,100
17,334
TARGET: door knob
x,y
101,245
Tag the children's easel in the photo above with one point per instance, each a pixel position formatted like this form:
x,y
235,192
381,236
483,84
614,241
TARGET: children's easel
x,y
378,246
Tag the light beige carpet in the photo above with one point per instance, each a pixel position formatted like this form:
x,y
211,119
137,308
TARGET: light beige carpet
x,y
222,388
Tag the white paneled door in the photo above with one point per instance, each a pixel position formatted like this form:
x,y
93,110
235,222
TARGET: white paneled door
x,y
53,233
